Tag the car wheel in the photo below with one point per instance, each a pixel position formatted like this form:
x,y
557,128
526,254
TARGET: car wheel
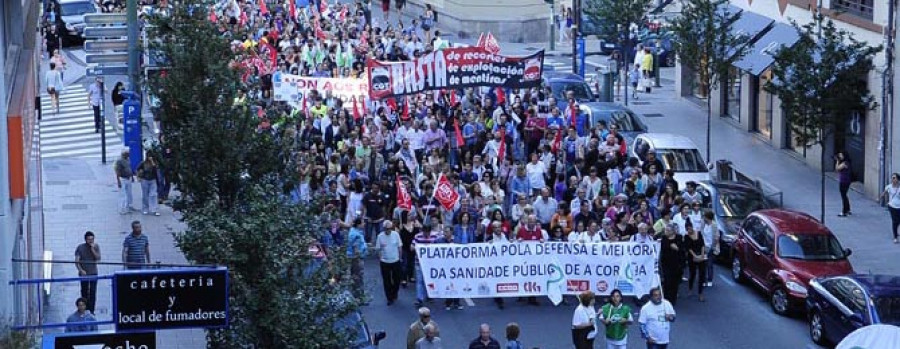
x,y
779,300
816,329
737,270
670,60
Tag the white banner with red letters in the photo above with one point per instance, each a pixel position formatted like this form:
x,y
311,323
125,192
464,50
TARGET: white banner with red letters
x,y
518,269
294,88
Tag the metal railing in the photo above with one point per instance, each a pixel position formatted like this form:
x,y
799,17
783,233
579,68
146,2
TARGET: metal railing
x,y
860,8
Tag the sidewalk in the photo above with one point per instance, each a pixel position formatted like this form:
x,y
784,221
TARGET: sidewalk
x,y
81,195
867,232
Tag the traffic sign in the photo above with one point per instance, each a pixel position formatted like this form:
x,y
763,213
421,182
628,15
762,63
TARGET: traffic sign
x,y
106,45
106,58
105,18
107,70
105,32
94,340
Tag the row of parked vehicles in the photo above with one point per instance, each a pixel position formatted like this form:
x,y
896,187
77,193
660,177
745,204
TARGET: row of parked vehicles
x,y
793,258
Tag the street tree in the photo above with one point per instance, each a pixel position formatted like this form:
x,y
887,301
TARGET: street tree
x,y
706,44
232,169
821,83
214,145
282,294
614,19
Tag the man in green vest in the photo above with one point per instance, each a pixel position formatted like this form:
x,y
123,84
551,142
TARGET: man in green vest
x,y
616,316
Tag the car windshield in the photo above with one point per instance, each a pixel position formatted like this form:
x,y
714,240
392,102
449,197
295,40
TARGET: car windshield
x,y
75,8
810,247
681,160
582,93
356,328
735,204
626,121
888,310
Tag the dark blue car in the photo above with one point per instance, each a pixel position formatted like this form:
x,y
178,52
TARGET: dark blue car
x,y
839,305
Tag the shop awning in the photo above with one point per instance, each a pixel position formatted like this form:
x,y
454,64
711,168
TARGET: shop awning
x,y
759,57
749,24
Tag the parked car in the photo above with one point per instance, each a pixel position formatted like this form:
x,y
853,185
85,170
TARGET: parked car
x,y
629,123
781,250
362,338
731,202
561,83
840,305
677,153
70,21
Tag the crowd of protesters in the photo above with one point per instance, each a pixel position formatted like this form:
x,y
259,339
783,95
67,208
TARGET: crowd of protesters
x,y
524,166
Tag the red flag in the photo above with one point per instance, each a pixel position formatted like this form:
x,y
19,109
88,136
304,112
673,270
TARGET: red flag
x,y
573,112
491,44
406,109
501,153
262,8
501,95
480,42
404,201
557,140
243,19
356,114
453,97
365,109
292,8
459,138
445,194
392,103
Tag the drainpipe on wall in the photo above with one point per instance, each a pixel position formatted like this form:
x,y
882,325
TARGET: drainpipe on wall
x,y
885,155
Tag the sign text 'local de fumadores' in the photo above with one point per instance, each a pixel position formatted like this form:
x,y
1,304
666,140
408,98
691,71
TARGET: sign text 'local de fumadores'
x,y
532,268
453,68
161,299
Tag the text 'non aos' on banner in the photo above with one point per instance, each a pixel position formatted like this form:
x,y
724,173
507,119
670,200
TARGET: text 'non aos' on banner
x,y
166,299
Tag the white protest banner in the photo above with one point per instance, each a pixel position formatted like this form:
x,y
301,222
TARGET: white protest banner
x,y
518,269
294,88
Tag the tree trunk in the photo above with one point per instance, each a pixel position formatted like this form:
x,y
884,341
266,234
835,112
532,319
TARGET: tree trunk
x,y
708,126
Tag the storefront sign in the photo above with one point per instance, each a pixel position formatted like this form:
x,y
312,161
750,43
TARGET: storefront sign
x,y
535,269
164,299
131,340
453,68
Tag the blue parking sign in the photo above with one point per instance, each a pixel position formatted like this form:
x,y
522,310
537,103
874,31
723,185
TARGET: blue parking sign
x,y
132,135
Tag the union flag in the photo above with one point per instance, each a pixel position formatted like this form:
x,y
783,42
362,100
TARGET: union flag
x,y
445,194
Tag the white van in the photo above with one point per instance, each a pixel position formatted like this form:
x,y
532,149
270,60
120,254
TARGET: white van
x,y
677,153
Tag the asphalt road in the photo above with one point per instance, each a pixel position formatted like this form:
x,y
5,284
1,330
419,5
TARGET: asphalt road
x,y
733,316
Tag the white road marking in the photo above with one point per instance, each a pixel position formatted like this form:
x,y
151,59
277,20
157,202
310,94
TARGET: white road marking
x,y
727,280
469,302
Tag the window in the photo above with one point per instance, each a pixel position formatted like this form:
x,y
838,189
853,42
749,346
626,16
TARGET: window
x,y
682,160
888,309
626,121
732,93
765,103
859,8
810,247
851,295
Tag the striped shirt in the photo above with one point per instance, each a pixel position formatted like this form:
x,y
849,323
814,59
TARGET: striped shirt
x,y
137,247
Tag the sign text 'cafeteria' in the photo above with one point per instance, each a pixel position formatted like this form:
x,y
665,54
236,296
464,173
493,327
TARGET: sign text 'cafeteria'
x,y
163,299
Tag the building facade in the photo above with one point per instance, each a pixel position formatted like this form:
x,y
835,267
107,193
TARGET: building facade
x,y
742,100
21,220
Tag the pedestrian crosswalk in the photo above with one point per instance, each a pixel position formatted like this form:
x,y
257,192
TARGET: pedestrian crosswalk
x,y
558,66
69,133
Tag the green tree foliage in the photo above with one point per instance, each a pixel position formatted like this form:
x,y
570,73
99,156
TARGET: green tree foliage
x,y
615,17
706,43
821,80
232,170
216,149
281,295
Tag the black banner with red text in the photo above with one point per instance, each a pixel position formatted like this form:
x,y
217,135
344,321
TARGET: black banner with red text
x,y
453,68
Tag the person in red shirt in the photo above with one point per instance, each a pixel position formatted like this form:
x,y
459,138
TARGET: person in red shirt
x,y
531,231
